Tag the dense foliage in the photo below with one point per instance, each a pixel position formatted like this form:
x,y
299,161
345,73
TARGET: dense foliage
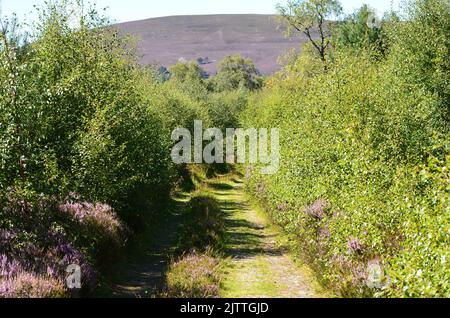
x,y
236,72
363,29
363,182
364,177
85,140
310,17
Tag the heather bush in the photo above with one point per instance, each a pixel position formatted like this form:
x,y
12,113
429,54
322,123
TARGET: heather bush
x,y
98,225
194,275
15,282
363,182
39,240
27,285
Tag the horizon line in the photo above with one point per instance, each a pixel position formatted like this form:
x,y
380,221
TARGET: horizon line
x,y
197,15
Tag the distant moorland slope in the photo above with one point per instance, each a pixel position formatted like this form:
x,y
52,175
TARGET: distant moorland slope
x,y
167,40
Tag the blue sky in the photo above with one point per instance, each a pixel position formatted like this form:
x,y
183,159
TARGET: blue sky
x,y
130,10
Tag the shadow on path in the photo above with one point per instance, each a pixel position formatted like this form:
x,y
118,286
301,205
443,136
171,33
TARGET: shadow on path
x,y
259,265
141,272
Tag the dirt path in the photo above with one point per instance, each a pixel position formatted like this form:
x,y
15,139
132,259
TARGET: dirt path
x,y
259,266
141,273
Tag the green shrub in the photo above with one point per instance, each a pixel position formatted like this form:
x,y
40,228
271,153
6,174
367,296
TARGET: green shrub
x,y
236,72
204,225
79,116
122,159
225,108
363,181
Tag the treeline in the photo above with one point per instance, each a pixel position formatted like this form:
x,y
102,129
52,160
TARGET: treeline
x,y
363,184
85,142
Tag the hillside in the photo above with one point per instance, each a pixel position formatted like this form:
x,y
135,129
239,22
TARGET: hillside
x,y
167,40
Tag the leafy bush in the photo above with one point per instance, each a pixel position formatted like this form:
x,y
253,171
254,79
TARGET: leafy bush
x,y
357,31
363,182
225,108
204,225
187,72
235,72
122,159
78,114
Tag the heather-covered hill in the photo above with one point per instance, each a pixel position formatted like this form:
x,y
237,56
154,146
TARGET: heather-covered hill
x,y
167,40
